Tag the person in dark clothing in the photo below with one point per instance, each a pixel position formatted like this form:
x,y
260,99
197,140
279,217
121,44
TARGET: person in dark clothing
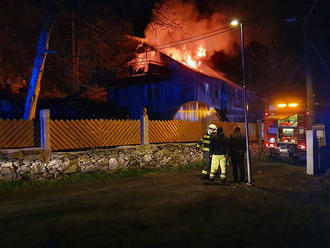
x,y
237,150
218,150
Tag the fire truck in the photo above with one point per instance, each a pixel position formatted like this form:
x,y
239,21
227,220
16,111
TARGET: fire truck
x,y
285,126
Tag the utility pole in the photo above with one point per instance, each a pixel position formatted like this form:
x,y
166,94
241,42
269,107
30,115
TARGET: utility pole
x,y
245,102
245,98
309,79
310,102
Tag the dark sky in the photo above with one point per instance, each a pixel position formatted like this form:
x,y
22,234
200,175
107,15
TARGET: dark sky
x,y
268,13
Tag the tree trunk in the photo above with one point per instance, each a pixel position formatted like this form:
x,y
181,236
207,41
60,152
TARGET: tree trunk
x,y
38,67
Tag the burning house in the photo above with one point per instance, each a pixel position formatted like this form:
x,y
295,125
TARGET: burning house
x,y
178,86
174,88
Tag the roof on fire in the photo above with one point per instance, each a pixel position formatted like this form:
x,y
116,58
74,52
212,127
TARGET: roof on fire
x,y
206,69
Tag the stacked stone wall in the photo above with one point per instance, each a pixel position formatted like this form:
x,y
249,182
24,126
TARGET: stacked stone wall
x,y
29,164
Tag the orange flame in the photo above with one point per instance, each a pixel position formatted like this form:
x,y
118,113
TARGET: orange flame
x,y
201,53
192,59
178,20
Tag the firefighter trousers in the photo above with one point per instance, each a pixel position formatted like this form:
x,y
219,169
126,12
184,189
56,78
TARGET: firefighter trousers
x,y
207,164
218,160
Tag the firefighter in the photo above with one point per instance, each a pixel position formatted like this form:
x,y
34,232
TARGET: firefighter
x,y
237,150
204,145
218,151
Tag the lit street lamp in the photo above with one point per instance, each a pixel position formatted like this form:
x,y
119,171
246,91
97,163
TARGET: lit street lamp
x,y
249,182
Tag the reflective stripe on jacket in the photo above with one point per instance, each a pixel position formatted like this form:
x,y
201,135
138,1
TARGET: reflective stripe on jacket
x,y
204,144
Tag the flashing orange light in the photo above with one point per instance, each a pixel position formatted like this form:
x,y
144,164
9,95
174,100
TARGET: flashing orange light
x,y
293,105
282,105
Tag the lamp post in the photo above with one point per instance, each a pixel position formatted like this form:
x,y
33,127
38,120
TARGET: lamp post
x,y
245,100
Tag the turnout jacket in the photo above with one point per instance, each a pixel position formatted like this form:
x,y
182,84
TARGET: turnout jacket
x,y
204,143
219,145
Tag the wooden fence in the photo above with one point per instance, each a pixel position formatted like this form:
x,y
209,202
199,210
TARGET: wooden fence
x,y
228,129
16,133
189,131
77,134
175,131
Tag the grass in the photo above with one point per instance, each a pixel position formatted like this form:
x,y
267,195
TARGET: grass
x,y
84,178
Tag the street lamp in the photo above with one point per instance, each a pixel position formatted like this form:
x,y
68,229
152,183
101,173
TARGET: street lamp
x,y
249,182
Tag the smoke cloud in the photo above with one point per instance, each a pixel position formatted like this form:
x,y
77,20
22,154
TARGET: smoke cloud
x,y
175,20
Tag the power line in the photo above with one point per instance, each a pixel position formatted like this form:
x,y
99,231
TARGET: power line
x,y
193,39
193,36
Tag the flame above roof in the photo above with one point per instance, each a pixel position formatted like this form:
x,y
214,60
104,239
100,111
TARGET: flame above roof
x,y
146,51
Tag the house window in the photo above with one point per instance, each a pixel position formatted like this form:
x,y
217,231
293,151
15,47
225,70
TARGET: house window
x,y
207,89
156,92
111,95
149,92
122,95
217,93
237,98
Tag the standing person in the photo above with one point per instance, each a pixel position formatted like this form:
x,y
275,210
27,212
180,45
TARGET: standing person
x,y
204,145
218,150
237,150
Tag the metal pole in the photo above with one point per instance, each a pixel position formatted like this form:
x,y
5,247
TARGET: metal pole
x,y
245,99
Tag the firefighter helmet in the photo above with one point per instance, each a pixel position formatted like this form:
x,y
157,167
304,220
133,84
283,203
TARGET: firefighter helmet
x,y
212,129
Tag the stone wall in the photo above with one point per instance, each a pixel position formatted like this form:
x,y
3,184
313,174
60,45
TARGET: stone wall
x,y
29,164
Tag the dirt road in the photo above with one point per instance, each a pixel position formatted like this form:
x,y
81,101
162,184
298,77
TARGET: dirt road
x,y
285,208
